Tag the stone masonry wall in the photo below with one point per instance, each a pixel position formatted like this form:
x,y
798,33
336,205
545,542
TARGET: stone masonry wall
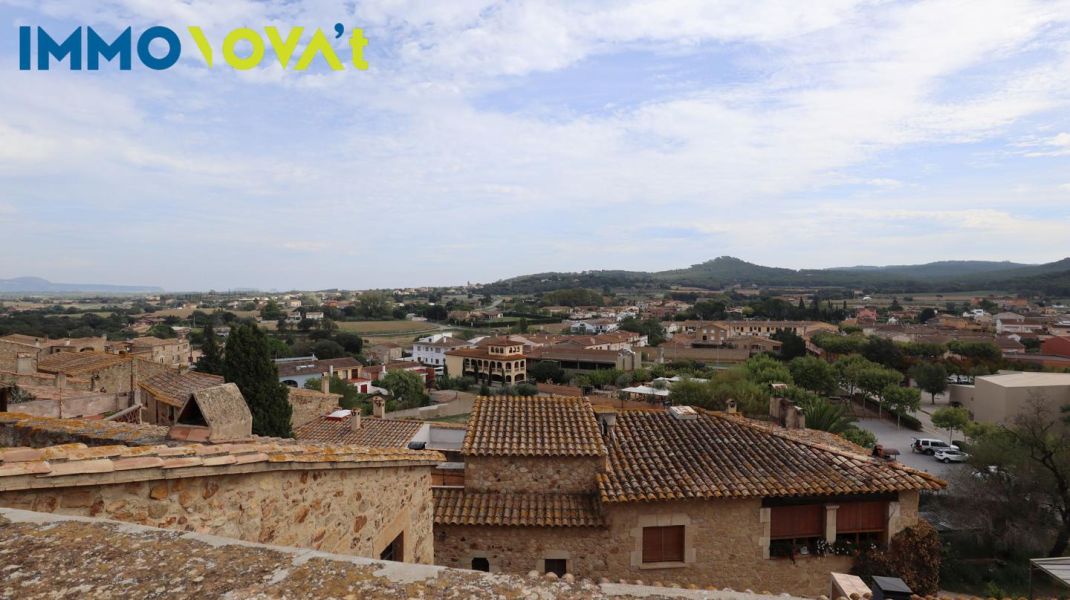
x,y
348,511
308,407
520,549
723,547
560,475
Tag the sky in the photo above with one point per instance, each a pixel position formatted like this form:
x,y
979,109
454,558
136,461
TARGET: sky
x,y
493,139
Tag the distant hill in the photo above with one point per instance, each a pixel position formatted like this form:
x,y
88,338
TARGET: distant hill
x,y
29,285
726,271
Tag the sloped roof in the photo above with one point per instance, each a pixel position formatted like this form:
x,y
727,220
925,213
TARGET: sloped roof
x,y
533,426
225,410
375,432
174,388
75,363
655,456
455,506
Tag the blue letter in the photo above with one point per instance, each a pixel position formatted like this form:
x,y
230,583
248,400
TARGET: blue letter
x,y
71,46
95,47
24,48
174,48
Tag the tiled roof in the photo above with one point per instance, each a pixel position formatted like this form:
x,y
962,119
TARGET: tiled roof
x,y
73,363
174,388
533,426
381,433
563,352
149,340
455,506
655,456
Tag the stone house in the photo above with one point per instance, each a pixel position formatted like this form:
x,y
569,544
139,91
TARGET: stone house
x,y
173,352
369,502
678,494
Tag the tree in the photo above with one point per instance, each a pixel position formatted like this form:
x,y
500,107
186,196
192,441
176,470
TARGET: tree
x,y
689,392
406,388
901,400
247,363
926,314
914,554
211,360
272,311
161,331
765,369
351,342
651,328
849,369
374,305
862,437
931,377
813,374
547,370
328,349
1018,494
883,351
952,419
791,345
875,380
823,415
350,395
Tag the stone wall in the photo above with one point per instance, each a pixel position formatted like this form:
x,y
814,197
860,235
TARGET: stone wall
x,y
522,549
350,511
310,406
558,474
725,546
123,377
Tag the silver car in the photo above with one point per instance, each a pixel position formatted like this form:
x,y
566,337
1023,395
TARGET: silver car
x,y
950,455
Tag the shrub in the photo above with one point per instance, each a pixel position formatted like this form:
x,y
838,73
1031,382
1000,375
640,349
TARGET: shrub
x,y
910,422
914,556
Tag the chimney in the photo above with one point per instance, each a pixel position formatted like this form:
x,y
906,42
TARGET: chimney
x,y
325,383
61,380
24,364
379,407
607,420
354,420
730,406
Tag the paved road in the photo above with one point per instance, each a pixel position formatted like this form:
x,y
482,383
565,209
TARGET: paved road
x,y
900,439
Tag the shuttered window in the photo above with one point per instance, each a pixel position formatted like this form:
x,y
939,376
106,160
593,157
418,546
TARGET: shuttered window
x,y
861,517
663,544
795,522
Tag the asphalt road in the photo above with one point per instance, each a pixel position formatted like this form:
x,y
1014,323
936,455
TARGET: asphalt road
x,y
901,439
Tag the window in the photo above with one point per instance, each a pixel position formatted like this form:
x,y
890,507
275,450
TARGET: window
x,y
861,523
796,529
663,544
481,564
557,566
395,550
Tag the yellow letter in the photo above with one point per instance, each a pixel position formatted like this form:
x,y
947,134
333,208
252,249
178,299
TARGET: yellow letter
x,y
357,42
284,50
202,44
236,36
319,44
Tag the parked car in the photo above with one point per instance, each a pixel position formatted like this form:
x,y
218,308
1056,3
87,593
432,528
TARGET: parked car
x,y
930,446
950,455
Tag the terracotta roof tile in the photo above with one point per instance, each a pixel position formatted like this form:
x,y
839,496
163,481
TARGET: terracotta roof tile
x,y
655,456
373,432
74,363
533,426
455,506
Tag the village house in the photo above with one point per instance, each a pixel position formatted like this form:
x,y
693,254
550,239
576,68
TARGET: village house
x,y
497,360
432,351
582,360
17,344
594,326
383,352
295,372
174,352
369,502
673,494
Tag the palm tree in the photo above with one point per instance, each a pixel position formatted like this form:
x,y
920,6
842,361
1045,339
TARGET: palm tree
x,y
825,416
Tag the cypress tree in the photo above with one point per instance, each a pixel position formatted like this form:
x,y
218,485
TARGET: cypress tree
x,y
211,360
247,363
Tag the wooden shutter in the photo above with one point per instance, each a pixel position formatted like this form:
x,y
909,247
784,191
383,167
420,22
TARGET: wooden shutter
x,y
663,544
802,521
861,517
